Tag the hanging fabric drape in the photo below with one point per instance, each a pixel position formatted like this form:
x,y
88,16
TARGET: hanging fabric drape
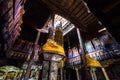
x,y
92,62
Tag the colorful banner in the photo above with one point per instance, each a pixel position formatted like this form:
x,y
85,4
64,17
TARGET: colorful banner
x,y
89,47
74,56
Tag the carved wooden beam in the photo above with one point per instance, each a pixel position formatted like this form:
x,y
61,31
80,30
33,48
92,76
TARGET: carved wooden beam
x,y
65,13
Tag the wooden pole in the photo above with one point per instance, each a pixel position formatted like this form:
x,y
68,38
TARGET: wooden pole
x,y
77,72
81,45
61,72
53,71
93,74
94,69
64,74
51,29
105,73
31,58
83,53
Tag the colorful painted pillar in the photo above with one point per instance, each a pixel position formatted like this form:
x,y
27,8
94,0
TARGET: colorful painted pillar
x,y
50,65
53,53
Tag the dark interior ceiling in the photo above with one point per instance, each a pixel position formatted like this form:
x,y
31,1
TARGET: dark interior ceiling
x,y
36,15
77,12
108,12
38,11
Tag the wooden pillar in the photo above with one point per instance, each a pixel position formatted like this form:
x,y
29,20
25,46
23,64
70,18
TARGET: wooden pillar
x,y
93,74
64,75
81,45
51,29
77,72
53,71
31,58
84,68
105,73
61,73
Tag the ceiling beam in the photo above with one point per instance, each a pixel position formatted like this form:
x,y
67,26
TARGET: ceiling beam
x,y
65,13
110,6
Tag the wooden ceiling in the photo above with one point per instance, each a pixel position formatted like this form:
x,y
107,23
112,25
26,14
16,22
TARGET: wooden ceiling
x,y
108,12
38,11
77,12
36,15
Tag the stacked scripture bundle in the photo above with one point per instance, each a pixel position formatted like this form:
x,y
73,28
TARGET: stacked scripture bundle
x,y
18,12
6,21
23,46
11,12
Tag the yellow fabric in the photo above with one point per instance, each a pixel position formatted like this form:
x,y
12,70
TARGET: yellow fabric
x,y
92,62
22,11
61,64
19,28
21,21
51,45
